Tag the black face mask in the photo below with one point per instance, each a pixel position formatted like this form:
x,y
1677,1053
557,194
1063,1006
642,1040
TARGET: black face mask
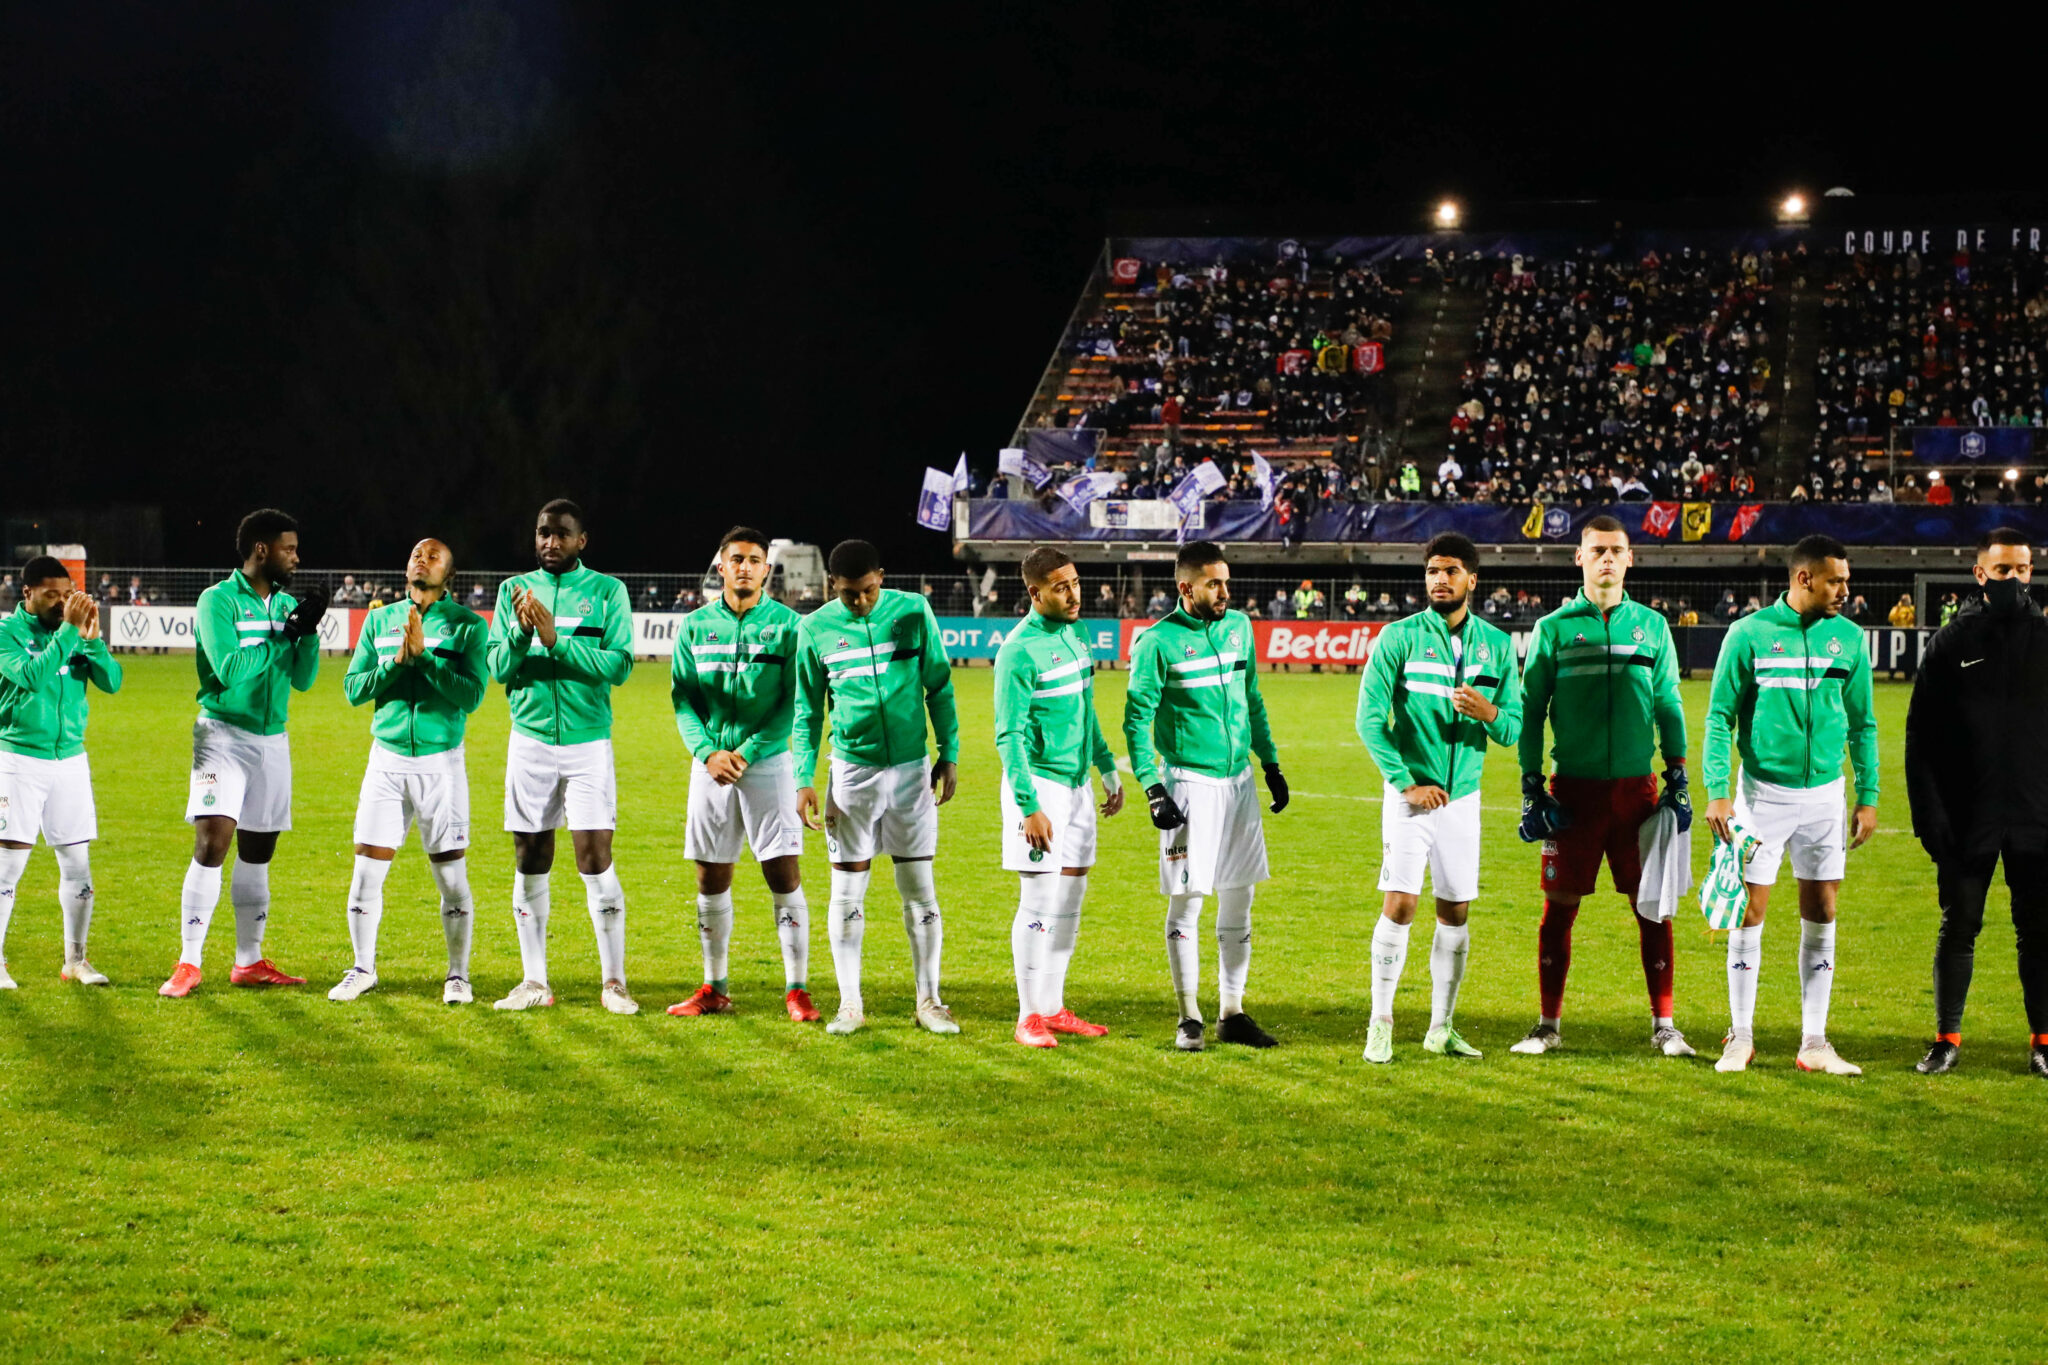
x,y
2005,595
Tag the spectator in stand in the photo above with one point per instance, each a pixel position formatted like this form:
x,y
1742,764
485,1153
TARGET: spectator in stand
x,y
651,599
1902,612
109,595
1355,598
1949,607
1881,492
1729,608
1277,609
9,593
348,594
1939,494
1158,607
136,596
1909,490
1411,481
1752,606
1308,601
1105,600
1686,615
1859,610
479,596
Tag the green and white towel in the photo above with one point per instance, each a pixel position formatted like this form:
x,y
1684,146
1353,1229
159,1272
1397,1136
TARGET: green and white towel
x,y
1724,895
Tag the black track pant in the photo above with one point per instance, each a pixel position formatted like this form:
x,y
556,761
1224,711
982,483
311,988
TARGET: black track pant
x,y
1962,886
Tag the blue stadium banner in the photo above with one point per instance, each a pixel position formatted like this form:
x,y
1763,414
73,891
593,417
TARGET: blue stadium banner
x,y
973,637
1951,445
1413,523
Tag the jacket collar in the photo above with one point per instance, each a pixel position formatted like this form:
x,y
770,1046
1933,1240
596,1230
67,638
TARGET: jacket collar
x,y
1583,605
1039,622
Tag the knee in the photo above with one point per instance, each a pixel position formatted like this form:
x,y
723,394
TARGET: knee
x,y
1453,914
914,879
1399,907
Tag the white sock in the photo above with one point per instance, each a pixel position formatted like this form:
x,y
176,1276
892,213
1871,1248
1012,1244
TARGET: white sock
x,y
366,909
1029,931
1389,956
1233,948
793,927
74,895
847,927
1184,953
1065,932
195,911
530,901
923,923
607,902
458,912
249,891
13,862
714,931
1447,948
1745,959
1816,977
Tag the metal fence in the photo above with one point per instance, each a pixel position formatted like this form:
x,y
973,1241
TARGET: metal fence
x,y
1122,591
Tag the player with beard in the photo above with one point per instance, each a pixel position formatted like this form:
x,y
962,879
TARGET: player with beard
x,y
1193,721
561,639
50,652
1792,691
257,644
1049,737
421,661
1440,686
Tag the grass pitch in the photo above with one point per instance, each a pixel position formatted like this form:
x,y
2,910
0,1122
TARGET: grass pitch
x,y
269,1176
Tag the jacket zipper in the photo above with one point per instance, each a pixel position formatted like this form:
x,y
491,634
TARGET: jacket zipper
x,y
1607,639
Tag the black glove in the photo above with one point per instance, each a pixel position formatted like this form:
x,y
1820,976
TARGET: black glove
x,y
1676,797
304,619
1165,814
1276,787
80,665
1542,814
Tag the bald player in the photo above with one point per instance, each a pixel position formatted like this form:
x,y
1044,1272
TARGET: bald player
x,y
420,664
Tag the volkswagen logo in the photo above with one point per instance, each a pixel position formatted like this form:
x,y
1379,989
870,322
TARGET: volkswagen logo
x,y
134,625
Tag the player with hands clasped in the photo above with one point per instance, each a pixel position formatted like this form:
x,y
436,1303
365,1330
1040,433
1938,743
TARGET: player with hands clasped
x,y
1602,670
561,639
732,681
51,651
873,657
420,663
1193,721
1440,686
257,644
1049,737
1791,691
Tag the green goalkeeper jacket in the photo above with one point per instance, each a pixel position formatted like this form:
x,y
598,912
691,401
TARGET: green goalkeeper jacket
x,y
733,679
247,669
1193,699
1608,682
43,677
878,674
563,695
1405,715
1045,709
422,705
1791,694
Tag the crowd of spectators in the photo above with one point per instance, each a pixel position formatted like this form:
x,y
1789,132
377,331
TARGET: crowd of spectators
x,y
1596,380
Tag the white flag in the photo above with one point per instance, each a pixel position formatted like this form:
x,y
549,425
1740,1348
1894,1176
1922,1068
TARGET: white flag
x,y
935,500
1083,489
961,483
1262,472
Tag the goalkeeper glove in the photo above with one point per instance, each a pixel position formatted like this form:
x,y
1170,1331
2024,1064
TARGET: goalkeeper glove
x,y
1165,814
1676,797
1542,814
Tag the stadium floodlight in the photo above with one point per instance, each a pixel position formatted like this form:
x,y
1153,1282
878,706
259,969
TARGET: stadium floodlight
x,y
1793,208
1448,213
2012,476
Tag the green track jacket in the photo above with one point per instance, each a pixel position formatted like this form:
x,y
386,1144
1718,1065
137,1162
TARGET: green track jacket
x,y
1608,681
423,706
733,679
881,672
1193,699
1045,709
564,695
1791,694
247,670
42,692
1405,714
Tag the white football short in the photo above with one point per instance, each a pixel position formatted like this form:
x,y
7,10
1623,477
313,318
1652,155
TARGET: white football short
x,y
1810,823
246,777
1223,844
559,786
47,796
758,811
1072,812
399,791
1444,842
870,811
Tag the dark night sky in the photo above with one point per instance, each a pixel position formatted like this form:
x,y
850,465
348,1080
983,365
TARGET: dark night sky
x,y
408,268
